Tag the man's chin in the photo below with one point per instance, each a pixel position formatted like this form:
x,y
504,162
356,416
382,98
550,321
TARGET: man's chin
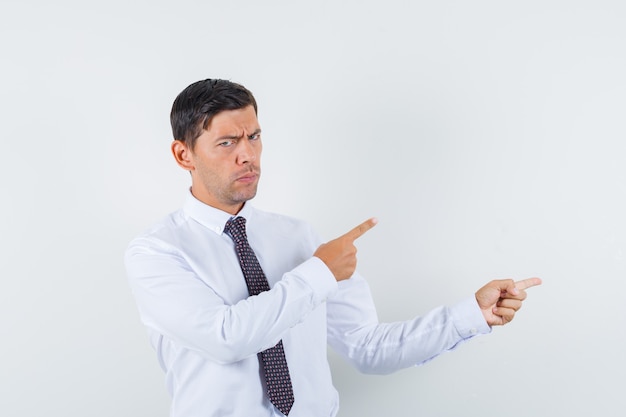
x,y
242,197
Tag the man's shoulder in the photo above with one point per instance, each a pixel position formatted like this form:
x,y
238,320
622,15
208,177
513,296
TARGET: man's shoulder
x,y
164,232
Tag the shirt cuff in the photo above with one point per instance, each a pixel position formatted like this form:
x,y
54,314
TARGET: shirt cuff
x,y
468,319
316,275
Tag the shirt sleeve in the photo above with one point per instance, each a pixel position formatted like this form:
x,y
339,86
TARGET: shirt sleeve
x,y
381,348
175,302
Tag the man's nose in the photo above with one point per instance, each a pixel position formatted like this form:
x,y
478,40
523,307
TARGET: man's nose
x,y
245,152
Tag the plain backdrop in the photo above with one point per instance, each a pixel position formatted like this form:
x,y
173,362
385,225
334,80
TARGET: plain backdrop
x,y
488,137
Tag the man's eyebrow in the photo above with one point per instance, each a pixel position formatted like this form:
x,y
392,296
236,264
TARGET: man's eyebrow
x,y
226,137
229,137
256,132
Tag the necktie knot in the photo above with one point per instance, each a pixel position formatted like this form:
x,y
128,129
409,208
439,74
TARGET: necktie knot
x,y
236,228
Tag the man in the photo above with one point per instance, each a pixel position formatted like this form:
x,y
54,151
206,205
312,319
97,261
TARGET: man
x,y
240,304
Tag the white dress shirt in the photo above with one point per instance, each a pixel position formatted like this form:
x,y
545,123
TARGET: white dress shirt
x,y
207,330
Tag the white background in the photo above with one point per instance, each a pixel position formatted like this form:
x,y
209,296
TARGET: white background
x,y
488,137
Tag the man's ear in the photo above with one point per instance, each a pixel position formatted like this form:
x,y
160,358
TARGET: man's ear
x,y
182,155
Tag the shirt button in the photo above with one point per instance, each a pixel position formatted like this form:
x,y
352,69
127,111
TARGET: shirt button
x,y
218,229
473,331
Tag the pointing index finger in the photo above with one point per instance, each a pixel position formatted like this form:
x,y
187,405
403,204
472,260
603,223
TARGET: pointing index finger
x,y
527,283
360,230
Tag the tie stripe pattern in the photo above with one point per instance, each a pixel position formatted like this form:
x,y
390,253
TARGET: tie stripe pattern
x,y
279,388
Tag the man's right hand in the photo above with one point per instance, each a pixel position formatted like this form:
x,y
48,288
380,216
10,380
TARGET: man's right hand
x,y
339,254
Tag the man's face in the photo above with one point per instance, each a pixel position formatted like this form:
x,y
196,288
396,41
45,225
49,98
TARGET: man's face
x,y
226,160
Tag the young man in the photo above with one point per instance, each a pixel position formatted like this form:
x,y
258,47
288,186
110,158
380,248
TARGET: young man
x,y
240,304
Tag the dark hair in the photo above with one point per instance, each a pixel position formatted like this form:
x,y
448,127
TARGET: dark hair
x,y
196,105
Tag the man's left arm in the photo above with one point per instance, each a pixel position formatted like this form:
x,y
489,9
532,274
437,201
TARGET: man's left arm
x,y
380,348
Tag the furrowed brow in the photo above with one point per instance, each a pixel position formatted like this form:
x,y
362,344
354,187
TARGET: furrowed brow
x,y
227,137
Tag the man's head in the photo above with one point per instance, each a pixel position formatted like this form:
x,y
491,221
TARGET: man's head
x,y
218,140
196,105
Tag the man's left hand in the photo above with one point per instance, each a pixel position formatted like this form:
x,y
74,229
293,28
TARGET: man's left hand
x,y
499,300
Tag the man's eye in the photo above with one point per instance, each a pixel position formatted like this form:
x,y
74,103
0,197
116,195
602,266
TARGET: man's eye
x,y
227,143
256,136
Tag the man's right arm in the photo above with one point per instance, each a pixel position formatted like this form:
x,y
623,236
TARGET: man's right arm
x,y
175,302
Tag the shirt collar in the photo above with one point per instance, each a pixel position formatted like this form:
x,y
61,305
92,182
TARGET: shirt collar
x,y
211,217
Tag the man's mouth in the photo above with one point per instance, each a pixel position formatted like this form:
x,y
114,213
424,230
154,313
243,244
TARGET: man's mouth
x,y
248,177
